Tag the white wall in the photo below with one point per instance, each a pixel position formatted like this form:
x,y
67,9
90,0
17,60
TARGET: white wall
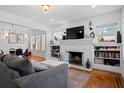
x,y
10,18
122,66
5,45
96,20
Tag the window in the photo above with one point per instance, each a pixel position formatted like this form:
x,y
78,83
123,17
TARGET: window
x,y
107,32
38,42
107,29
43,42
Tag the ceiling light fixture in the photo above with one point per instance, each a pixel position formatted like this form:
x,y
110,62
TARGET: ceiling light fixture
x,y
93,6
52,20
45,8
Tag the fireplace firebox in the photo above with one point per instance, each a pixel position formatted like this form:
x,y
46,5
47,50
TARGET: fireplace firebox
x,y
75,58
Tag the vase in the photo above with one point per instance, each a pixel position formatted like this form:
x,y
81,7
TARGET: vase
x,y
88,64
63,37
118,37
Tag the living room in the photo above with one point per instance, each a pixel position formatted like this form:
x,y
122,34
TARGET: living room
x,y
82,49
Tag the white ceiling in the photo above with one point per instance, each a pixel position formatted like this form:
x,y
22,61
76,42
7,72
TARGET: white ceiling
x,y
60,13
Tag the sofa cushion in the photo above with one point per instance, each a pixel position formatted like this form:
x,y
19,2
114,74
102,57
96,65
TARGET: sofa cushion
x,y
14,74
2,65
38,66
2,57
23,66
5,77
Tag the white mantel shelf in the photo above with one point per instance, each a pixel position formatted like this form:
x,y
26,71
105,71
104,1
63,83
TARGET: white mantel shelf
x,y
77,42
108,44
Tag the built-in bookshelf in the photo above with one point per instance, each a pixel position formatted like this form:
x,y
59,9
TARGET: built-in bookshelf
x,y
107,55
55,51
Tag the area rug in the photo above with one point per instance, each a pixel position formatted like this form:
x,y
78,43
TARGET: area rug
x,y
77,79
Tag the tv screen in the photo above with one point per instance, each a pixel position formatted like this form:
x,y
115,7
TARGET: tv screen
x,y
75,32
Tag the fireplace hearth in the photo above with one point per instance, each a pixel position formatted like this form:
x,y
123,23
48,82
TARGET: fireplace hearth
x,y
75,58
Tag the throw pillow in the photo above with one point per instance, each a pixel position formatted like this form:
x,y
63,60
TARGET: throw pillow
x,y
23,66
38,66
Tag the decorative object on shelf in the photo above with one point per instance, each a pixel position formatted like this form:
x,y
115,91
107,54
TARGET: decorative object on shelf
x,y
109,38
92,35
88,64
45,8
51,42
102,39
2,52
55,38
119,37
90,25
64,36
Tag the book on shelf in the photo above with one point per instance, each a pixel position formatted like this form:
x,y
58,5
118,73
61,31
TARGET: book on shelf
x,y
107,54
107,48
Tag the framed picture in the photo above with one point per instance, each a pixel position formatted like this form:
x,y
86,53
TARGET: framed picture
x,y
20,38
12,38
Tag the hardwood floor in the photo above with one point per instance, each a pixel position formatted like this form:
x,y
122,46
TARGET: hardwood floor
x,y
37,58
98,79
102,79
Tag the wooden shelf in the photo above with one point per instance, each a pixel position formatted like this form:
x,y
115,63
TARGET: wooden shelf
x,y
55,50
108,50
107,58
105,44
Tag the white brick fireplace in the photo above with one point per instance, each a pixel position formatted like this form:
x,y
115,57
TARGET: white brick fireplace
x,y
78,45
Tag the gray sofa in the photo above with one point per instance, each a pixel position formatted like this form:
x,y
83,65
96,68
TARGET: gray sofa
x,y
52,78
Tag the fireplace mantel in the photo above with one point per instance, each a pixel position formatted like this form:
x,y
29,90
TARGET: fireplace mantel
x,y
77,42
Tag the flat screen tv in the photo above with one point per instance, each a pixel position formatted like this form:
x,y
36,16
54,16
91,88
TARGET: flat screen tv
x,y
75,32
